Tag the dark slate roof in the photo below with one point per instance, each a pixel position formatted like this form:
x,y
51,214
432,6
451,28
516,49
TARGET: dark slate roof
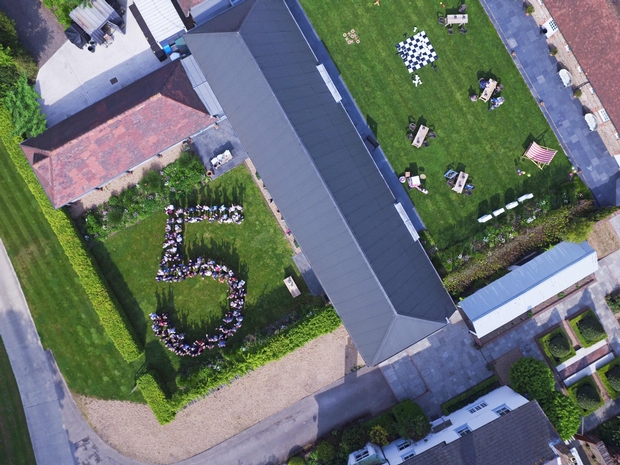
x,y
522,437
322,177
115,134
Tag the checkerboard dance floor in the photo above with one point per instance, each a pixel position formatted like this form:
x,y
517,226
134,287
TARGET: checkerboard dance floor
x,y
416,51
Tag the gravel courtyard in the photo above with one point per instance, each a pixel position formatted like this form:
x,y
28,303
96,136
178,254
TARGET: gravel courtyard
x,y
133,430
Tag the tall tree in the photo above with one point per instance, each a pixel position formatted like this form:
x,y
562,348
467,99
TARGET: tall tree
x,y
25,109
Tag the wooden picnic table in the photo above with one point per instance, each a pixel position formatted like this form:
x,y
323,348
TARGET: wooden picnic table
x,y
420,136
488,91
456,19
459,185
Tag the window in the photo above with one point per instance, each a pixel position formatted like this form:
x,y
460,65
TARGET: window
x,y
361,455
603,114
407,456
501,410
477,407
403,445
463,431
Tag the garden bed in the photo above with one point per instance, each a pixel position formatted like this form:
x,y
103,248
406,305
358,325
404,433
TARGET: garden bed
x,y
471,395
584,393
588,328
554,349
603,373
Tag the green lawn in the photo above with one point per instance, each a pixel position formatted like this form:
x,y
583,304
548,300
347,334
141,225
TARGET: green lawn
x,y
15,446
65,319
256,250
486,144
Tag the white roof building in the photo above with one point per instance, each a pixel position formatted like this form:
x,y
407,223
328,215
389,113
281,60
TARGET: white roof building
x,y
161,18
458,424
529,285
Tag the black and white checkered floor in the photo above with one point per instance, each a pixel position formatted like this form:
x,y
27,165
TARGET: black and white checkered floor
x,y
417,51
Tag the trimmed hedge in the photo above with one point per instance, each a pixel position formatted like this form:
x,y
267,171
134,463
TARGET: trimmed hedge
x,y
471,395
561,345
563,414
411,420
585,394
113,318
152,392
588,329
204,379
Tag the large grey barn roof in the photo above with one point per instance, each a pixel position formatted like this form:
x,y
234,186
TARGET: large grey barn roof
x,y
322,177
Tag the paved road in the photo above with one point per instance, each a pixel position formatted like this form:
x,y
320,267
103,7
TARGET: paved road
x,y
32,371
37,27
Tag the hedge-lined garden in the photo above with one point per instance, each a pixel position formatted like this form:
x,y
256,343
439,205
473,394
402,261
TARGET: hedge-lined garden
x,y
557,346
588,329
530,376
406,420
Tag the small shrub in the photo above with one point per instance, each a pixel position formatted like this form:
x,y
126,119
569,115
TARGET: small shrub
x,y
559,346
296,461
613,301
613,376
387,422
379,435
609,432
577,93
553,52
591,329
587,397
411,420
532,376
154,395
529,9
325,452
563,414
353,438
561,295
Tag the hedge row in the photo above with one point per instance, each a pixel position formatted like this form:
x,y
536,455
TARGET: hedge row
x,y
205,379
112,316
471,395
150,386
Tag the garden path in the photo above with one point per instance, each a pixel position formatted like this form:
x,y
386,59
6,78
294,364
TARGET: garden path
x,y
32,371
585,149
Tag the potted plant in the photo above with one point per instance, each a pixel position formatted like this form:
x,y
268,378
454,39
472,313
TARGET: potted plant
x,y
529,9
553,51
577,93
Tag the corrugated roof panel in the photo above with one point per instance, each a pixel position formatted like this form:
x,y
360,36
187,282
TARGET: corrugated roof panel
x,y
161,18
91,18
529,285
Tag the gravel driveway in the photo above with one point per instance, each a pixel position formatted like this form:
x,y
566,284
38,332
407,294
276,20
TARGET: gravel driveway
x,y
37,27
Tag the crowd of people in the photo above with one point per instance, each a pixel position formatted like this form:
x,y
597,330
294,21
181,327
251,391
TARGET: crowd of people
x,y
173,268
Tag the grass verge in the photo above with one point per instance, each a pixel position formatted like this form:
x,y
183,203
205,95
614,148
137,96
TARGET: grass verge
x,y
15,445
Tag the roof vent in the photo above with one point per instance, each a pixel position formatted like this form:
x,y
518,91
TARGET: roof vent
x,y
407,221
328,81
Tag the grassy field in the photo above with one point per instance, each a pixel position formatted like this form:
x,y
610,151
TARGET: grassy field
x,y
65,319
256,250
15,446
486,144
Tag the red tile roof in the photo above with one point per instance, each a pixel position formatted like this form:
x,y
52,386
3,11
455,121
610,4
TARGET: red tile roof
x,y
592,29
115,134
187,5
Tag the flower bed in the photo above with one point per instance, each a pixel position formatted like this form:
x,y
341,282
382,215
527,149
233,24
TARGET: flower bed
x,y
586,396
551,344
588,328
607,378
